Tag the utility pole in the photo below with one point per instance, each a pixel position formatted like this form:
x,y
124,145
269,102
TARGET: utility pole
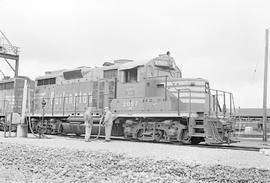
x,y
265,88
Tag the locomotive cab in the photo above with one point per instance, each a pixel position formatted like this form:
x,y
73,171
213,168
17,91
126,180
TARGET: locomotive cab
x,y
142,83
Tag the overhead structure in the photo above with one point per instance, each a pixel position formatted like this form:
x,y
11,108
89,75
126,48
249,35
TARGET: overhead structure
x,y
2,73
9,52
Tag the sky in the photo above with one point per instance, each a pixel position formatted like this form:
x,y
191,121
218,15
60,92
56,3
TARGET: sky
x,y
222,41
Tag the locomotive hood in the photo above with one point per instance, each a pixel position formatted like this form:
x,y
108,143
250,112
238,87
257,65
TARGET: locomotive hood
x,y
134,64
162,60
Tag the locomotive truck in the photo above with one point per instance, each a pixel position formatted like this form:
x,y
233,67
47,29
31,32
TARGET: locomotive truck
x,y
150,101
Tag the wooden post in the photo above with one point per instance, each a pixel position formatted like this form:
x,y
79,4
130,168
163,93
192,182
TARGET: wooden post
x,y
216,99
209,102
265,87
166,85
178,102
230,104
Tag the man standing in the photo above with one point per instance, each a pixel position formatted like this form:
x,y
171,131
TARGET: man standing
x,y
88,122
108,122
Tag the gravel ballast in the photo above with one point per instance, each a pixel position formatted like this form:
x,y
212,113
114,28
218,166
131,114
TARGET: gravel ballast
x,y
29,163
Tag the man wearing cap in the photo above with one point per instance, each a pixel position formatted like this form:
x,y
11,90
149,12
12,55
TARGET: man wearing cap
x,y
108,122
88,122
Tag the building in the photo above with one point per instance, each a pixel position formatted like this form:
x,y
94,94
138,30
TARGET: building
x,y
251,117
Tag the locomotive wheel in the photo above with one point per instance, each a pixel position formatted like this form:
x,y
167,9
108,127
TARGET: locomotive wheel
x,y
162,136
41,130
125,135
49,131
140,134
184,138
60,129
158,135
35,126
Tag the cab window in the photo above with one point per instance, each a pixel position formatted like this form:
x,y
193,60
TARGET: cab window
x,y
130,75
206,87
109,74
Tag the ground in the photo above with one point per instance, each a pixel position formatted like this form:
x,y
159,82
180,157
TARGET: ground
x,y
63,159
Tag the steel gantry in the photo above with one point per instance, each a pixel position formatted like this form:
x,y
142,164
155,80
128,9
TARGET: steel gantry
x,y
9,52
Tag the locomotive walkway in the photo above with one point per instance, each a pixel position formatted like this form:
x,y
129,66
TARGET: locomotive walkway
x,y
188,154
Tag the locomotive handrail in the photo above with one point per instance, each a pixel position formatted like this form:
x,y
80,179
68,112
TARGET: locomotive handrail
x,y
166,83
150,77
216,105
65,100
8,104
223,91
178,93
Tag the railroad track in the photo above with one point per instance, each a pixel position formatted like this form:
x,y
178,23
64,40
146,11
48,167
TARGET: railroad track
x,y
211,146
229,147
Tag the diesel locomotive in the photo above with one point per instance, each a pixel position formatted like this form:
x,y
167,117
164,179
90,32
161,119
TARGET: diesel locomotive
x,y
150,101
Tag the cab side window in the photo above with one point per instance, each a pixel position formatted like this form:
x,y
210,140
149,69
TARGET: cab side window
x,y
206,87
109,74
130,75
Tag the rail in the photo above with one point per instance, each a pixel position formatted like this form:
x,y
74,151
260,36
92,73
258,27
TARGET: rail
x,y
201,145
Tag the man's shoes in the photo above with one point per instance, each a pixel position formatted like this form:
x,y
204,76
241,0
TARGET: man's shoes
x,y
107,140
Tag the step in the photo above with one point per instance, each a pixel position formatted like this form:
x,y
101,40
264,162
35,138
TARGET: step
x,y
198,126
198,135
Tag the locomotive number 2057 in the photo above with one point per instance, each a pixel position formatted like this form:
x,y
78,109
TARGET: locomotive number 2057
x,y
130,103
